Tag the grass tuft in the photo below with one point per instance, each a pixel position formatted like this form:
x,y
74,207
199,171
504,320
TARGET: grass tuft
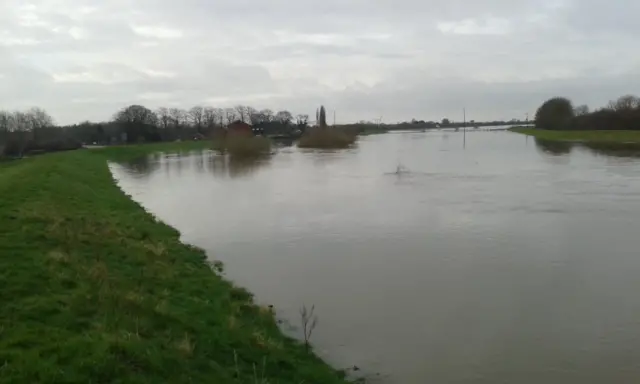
x,y
186,345
58,256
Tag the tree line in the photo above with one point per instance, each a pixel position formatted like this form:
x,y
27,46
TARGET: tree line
x,y
559,113
29,131
138,123
34,130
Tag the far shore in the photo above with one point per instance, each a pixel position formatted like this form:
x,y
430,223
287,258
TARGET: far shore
x,y
620,137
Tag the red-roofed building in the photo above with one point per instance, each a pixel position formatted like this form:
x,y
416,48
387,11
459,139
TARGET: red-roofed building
x,y
240,128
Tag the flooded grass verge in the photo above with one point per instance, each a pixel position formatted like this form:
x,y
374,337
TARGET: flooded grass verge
x,y
95,289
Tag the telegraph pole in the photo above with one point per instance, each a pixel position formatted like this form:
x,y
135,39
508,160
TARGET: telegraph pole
x,y
464,127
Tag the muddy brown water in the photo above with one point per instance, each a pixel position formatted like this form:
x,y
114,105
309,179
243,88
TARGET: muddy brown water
x,y
506,260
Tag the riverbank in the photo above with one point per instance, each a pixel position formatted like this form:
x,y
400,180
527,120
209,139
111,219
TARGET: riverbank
x,y
581,136
94,289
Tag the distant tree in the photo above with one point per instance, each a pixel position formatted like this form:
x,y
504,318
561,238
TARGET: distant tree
x,y
625,103
4,131
446,122
251,114
284,117
178,117
267,115
164,118
581,110
242,113
554,114
322,117
39,120
256,117
302,120
196,118
230,115
219,114
18,132
178,120
210,118
138,122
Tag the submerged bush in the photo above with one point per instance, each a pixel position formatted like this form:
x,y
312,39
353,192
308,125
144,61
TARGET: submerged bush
x,y
241,146
326,138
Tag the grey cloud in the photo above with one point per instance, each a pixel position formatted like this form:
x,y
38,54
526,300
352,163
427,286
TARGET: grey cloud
x,y
401,58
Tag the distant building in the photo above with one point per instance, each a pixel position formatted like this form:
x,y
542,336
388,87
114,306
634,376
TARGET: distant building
x,y
239,127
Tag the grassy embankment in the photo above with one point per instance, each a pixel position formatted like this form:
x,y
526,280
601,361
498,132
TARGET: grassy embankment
x,y
582,136
94,289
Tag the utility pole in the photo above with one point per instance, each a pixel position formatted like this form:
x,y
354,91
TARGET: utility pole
x,y
334,118
464,127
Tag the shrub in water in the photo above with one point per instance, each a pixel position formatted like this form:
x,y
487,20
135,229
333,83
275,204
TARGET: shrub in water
x,y
242,146
326,138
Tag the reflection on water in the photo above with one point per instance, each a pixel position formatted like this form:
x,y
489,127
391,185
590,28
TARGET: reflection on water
x,y
554,147
226,166
615,149
501,261
199,161
608,149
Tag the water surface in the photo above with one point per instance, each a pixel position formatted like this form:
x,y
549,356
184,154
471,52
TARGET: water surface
x,y
496,260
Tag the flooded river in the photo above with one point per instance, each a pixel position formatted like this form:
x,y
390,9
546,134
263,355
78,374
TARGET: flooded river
x,y
494,260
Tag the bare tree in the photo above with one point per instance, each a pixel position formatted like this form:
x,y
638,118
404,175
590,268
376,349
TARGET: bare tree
x,y
196,117
178,120
210,117
252,115
39,120
581,110
625,103
164,118
284,117
230,115
4,131
138,123
20,128
220,115
267,115
309,321
242,113
256,117
302,120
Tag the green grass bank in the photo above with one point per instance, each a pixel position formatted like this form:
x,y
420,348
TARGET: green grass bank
x,y
582,136
94,290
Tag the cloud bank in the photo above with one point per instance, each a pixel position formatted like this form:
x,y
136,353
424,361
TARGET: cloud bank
x,y
401,59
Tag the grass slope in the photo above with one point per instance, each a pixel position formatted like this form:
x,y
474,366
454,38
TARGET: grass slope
x,y
95,290
582,136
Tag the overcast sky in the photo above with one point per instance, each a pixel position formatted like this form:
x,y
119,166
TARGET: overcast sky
x,y
400,59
